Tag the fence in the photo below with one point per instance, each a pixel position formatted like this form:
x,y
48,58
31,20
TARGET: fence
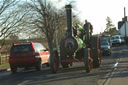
x,y
3,58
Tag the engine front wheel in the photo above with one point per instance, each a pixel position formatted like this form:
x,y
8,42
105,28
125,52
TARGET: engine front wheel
x,y
88,60
54,61
65,65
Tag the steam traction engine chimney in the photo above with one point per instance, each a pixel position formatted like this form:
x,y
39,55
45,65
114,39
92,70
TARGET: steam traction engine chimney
x,y
69,19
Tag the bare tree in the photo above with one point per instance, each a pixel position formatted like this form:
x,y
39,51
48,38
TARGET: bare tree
x,y
4,8
10,19
42,19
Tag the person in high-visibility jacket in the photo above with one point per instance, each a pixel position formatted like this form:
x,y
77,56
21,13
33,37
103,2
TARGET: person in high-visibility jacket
x,y
79,31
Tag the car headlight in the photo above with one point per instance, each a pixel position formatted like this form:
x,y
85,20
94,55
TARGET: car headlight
x,y
106,48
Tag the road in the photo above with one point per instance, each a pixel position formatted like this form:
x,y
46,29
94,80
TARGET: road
x,y
119,73
113,71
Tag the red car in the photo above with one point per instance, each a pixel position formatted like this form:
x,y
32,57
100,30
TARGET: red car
x,y
28,54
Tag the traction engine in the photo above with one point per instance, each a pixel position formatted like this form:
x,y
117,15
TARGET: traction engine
x,y
74,49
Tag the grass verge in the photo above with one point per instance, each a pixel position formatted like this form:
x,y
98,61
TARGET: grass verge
x,y
4,65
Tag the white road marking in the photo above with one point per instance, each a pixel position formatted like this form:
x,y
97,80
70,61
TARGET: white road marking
x,y
115,65
115,68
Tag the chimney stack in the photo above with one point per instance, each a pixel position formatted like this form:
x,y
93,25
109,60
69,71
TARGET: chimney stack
x,y
124,12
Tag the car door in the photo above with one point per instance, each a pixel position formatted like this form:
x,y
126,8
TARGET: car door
x,y
44,54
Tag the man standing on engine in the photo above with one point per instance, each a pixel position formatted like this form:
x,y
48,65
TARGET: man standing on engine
x,y
88,28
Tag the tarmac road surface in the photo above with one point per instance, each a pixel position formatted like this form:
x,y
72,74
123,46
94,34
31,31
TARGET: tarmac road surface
x,y
119,74
113,69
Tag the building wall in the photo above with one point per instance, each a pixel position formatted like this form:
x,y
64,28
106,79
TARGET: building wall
x,y
122,29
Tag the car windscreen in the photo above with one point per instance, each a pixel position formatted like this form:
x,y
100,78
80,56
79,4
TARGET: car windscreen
x,y
21,48
117,37
122,38
105,38
105,43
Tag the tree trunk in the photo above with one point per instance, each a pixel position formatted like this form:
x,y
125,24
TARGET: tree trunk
x,y
50,44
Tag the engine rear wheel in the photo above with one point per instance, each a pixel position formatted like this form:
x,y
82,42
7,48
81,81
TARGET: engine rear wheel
x,y
54,61
88,60
96,51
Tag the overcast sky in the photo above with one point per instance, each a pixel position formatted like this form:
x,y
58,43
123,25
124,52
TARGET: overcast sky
x,y
96,11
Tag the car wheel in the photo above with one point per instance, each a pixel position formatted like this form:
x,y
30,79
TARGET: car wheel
x,y
13,69
109,53
47,64
39,65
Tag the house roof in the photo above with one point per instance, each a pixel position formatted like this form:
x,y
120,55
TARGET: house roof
x,y
120,23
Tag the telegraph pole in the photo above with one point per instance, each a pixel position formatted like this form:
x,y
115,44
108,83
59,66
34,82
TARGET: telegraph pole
x,y
124,12
125,20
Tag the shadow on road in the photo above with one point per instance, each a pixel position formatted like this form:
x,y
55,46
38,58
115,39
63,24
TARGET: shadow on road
x,y
109,67
32,77
45,77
